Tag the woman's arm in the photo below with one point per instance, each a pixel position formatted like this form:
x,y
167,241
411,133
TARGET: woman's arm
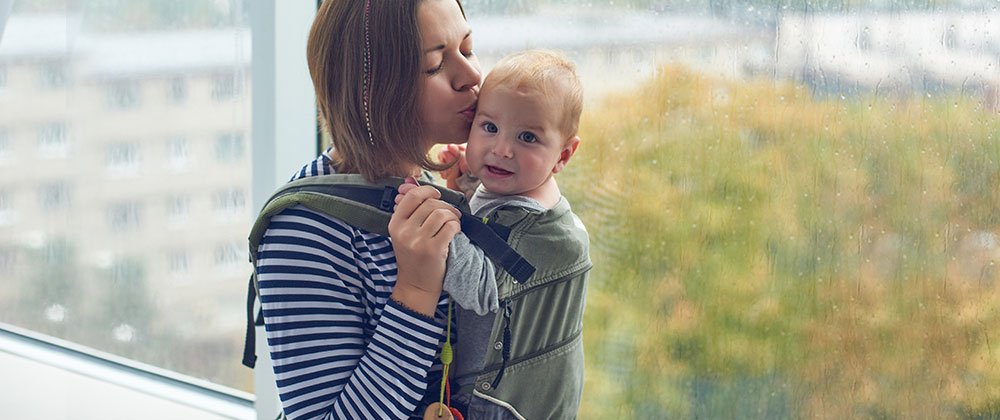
x,y
321,287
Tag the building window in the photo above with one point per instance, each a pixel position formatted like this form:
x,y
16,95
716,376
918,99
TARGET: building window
x,y
54,196
5,147
865,39
124,216
121,159
228,257
122,94
177,90
229,147
8,216
229,203
53,140
178,264
227,87
178,210
951,37
178,154
52,76
8,259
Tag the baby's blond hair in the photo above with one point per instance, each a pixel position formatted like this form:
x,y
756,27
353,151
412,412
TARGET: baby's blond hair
x,y
547,72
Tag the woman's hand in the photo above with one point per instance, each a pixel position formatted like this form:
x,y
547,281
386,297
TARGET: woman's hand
x,y
421,228
457,177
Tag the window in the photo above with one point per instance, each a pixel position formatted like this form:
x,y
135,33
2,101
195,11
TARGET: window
x,y
6,152
122,94
53,141
230,204
54,196
227,87
179,263
108,91
229,257
177,90
178,210
122,159
8,216
178,156
52,76
124,216
8,260
229,147
786,206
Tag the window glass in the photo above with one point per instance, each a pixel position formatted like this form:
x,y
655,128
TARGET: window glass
x,y
106,105
177,90
122,94
792,205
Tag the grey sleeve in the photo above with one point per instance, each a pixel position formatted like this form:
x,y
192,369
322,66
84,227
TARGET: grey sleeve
x,y
469,277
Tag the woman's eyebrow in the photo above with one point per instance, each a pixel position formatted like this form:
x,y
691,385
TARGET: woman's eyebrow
x,y
441,47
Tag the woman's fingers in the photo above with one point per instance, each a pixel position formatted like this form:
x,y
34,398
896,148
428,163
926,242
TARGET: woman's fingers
x,y
429,207
413,198
435,222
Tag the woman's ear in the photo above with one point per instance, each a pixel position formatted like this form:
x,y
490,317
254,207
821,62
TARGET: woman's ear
x,y
567,152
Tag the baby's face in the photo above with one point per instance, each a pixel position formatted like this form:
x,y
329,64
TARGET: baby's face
x,y
515,144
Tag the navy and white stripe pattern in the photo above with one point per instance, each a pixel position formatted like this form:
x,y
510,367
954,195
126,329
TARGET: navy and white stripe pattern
x,y
341,348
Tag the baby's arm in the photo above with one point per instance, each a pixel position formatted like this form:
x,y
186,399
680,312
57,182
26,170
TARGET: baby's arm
x,y
469,278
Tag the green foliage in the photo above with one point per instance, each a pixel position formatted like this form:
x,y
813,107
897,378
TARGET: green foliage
x,y
837,252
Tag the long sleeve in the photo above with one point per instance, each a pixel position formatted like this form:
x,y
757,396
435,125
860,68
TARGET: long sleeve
x,y
341,348
470,278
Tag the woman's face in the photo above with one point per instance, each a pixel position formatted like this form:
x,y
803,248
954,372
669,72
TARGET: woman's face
x,y
449,85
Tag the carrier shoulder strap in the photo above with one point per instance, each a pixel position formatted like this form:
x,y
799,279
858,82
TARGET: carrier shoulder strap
x,y
368,206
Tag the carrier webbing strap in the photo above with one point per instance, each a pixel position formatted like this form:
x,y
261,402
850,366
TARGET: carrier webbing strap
x,y
250,341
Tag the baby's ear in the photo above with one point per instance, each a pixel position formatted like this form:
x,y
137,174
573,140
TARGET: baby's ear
x,y
567,152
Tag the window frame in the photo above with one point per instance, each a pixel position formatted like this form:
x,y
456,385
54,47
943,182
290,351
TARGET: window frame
x,y
283,109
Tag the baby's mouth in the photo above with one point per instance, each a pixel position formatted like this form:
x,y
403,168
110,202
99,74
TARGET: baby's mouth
x,y
498,171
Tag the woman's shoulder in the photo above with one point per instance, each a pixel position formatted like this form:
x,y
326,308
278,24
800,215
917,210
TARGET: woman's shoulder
x,y
322,165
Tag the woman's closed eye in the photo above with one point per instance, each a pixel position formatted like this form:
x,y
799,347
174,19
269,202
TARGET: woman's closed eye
x,y
527,137
434,71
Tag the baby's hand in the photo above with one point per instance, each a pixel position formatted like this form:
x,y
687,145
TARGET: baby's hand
x,y
450,153
458,177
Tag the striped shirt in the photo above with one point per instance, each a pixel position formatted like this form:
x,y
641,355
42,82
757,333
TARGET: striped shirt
x,y
341,348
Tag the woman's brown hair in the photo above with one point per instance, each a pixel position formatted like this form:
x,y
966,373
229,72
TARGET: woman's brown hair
x,y
336,56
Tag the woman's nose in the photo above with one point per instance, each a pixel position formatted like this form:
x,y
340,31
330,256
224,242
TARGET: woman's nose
x,y
469,76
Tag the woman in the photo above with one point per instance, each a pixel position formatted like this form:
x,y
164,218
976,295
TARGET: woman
x,y
353,320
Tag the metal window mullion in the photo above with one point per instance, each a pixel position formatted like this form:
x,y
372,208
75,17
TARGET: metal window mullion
x,y
284,128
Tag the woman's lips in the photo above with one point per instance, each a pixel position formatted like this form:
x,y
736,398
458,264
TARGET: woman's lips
x,y
469,113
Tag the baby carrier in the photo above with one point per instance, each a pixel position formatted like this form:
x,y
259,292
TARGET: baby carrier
x,y
368,206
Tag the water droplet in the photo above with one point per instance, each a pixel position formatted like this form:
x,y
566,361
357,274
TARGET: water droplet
x,y
55,313
123,333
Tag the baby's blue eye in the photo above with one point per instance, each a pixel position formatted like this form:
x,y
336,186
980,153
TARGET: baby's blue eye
x,y
527,137
490,127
